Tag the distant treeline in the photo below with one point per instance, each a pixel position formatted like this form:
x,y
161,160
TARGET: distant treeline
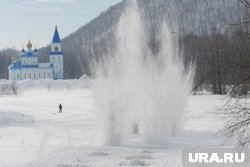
x,y
222,60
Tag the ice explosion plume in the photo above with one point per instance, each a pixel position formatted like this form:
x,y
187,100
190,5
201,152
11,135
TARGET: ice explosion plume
x,y
137,92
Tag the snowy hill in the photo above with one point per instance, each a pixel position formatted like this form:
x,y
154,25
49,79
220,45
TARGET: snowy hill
x,y
96,39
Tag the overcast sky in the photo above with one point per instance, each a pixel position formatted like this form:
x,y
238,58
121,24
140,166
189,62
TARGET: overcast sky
x,y
36,19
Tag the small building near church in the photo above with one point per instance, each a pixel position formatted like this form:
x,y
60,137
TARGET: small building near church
x,y
26,65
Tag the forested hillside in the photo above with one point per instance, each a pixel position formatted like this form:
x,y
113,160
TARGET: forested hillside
x,y
193,20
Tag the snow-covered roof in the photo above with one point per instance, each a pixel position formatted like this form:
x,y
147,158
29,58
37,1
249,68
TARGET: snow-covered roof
x,y
45,65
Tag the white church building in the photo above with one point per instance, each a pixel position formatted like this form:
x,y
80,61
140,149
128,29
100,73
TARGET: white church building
x,y
26,65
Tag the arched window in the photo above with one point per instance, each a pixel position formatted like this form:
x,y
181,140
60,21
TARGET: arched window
x,y
29,75
17,75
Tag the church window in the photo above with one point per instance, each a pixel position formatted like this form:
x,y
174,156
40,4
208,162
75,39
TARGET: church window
x,y
49,75
23,62
29,75
34,76
44,75
25,76
39,75
56,49
17,76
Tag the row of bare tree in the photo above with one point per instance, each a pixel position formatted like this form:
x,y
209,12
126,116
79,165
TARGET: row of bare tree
x,y
237,106
8,88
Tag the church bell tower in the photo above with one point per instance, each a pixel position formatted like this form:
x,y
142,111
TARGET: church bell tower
x,y
56,56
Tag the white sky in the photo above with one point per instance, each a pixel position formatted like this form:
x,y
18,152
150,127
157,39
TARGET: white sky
x,y
36,19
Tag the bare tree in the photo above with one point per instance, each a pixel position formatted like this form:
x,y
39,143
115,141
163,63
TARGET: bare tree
x,y
246,3
8,88
237,105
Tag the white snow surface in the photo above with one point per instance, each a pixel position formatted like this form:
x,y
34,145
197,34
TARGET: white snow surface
x,y
33,133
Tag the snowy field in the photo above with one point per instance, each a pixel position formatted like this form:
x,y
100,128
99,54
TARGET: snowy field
x,y
33,133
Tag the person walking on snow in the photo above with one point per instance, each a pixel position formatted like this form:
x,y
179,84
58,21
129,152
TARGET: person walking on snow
x,y
60,108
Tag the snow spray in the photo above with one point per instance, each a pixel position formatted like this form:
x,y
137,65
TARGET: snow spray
x,y
137,92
